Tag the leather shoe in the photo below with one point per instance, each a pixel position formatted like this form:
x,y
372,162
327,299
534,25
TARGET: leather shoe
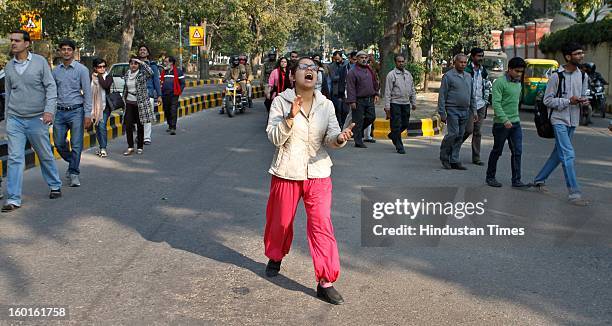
x,y
401,151
520,184
493,183
458,166
478,163
329,294
54,194
446,165
9,208
273,268
361,146
370,140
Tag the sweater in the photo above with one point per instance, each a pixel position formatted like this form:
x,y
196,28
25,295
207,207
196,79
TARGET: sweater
x,y
506,98
456,93
32,93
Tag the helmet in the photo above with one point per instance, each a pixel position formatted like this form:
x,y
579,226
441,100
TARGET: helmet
x,y
234,60
590,66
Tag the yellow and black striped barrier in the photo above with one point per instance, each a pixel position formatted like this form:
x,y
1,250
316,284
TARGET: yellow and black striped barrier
x,y
421,127
196,83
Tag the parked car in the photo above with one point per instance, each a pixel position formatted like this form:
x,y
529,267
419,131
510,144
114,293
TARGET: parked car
x,y
118,71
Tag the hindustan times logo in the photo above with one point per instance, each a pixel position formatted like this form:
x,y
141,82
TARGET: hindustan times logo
x,y
412,209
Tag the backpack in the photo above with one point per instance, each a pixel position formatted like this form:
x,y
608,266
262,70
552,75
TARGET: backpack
x,y
542,114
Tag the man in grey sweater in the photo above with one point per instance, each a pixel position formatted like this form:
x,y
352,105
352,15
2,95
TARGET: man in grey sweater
x,y
400,98
30,103
455,100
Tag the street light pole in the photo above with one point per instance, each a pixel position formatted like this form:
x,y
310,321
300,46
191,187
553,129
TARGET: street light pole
x,y
180,42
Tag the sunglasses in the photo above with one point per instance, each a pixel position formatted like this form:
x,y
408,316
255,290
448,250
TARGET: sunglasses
x,y
101,66
304,66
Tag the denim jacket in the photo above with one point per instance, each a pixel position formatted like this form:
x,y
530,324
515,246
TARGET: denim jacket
x,y
153,85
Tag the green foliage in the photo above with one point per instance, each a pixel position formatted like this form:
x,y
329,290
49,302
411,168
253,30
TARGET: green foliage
x,y
417,70
360,23
586,34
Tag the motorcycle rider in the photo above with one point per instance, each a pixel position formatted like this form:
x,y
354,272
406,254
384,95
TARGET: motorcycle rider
x,y
249,72
235,72
268,67
594,75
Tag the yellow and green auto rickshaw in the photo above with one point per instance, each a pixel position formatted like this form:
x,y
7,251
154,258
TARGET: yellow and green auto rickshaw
x,y
535,79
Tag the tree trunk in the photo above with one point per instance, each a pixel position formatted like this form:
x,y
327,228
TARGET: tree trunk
x,y
204,68
127,30
391,43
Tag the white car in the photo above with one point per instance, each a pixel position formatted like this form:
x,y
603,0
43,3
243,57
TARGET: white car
x,y
118,71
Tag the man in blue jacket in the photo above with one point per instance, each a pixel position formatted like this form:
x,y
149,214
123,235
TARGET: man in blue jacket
x,y
152,86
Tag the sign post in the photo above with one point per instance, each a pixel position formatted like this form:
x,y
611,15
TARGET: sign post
x,y
31,22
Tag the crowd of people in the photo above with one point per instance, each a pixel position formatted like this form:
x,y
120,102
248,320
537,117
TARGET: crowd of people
x,y
72,100
310,106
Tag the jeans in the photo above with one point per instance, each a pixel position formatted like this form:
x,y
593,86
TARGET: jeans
x,y
400,117
101,135
562,153
73,121
514,136
19,130
147,126
455,129
363,116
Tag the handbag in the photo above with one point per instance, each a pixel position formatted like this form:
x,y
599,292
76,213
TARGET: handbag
x,y
115,101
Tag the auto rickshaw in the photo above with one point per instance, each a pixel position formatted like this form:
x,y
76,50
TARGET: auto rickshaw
x,y
535,79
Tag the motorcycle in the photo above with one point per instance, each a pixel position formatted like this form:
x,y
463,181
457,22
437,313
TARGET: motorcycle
x,y
597,97
235,100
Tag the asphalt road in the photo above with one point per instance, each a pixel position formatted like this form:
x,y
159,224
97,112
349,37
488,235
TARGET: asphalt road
x,y
175,237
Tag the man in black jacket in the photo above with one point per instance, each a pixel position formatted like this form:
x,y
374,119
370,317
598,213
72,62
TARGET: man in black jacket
x,y
481,91
337,71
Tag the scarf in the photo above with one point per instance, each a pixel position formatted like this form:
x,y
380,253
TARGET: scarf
x,y
97,105
176,86
283,81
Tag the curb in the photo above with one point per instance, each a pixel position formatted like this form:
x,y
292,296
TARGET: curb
x,y
196,83
416,128
114,127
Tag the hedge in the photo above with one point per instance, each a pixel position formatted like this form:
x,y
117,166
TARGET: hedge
x,y
585,34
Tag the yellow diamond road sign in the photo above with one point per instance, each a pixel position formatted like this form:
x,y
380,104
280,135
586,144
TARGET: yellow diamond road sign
x,y
32,23
196,35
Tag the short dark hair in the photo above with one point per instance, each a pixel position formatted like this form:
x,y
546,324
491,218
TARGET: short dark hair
x,y
516,62
292,52
68,43
26,35
337,52
132,58
353,54
172,60
399,56
476,51
570,47
98,61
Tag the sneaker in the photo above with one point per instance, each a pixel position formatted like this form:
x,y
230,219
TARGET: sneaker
x,y
371,140
329,294
103,153
520,184
147,142
129,152
9,208
457,166
493,183
54,194
139,151
74,180
173,132
576,199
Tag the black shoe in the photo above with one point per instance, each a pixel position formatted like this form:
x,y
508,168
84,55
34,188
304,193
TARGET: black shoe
x,y
54,194
173,132
458,166
169,130
401,151
446,165
520,184
493,183
370,140
479,162
9,208
361,146
329,294
273,268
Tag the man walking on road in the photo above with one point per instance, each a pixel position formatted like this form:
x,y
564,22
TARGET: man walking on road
x,y
173,84
507,122
564,95
74,105
481,93
31,97
267,69
153,87
400,97
362,92
455,100
337,71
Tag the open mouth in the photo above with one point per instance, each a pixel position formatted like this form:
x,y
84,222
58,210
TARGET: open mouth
x,y
309,76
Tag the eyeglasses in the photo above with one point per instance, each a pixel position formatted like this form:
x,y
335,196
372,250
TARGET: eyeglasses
x,y
101,66
578,53
304,66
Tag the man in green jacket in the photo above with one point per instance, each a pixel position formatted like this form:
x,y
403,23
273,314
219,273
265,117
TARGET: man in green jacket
x,y
506,123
